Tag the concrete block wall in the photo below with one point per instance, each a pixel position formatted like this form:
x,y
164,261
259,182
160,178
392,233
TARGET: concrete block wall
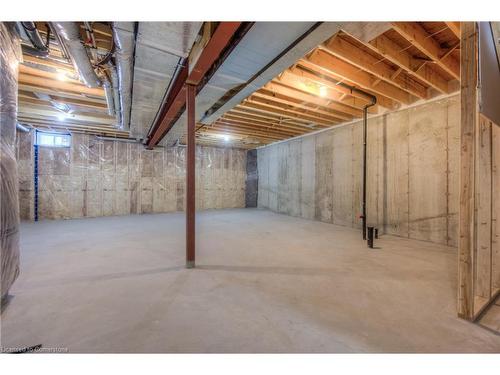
x,y
412,179
103,178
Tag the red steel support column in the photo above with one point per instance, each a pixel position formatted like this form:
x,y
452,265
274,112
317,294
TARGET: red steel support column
x,y
190,177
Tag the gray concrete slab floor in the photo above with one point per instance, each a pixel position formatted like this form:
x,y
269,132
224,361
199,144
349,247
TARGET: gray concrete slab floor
x,y
264,282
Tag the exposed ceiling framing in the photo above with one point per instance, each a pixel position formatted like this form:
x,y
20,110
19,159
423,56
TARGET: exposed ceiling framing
x,y
405,63
399,63
51,96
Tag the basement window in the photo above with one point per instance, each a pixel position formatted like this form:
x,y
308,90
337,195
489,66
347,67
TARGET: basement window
x,y
53,139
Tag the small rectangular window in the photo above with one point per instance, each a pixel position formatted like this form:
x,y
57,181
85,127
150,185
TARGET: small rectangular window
x,y
53,139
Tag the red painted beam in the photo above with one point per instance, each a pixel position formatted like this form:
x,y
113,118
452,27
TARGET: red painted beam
x,y
190,176
174,101
217,43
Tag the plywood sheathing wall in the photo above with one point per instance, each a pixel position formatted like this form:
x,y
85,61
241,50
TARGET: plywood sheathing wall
x,y
412,173
103,178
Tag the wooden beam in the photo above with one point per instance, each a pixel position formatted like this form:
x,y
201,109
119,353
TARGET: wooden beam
x,y
24,69
77,106
222,128
348,97
306,86
295,79
297,109
240,130
348,52
366,31
59,85
268,108
248,115
101,130
393,52
332,65
297,103
61,94
50,63
204,139
455,28
468,139
272,126
417,36
256,126
50,113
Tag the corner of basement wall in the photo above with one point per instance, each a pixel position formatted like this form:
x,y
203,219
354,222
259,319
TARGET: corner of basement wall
x,y
252,179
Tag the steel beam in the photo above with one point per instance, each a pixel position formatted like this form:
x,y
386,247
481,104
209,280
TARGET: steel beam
x,y
190,176
220,40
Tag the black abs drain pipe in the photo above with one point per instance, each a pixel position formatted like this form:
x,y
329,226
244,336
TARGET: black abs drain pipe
x,y
373,99
370,237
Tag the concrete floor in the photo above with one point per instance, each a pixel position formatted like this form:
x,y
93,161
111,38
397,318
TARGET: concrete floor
x,y
265,283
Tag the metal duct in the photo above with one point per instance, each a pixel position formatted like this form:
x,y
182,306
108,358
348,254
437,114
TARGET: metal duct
x,y
116,92
108,93
10,55
124,39
158,48
22,128
28,33
35,38
70,34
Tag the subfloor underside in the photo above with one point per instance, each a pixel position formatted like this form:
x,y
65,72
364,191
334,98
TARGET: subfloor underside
x,y
264,282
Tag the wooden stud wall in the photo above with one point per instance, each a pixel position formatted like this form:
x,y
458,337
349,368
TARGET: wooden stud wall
x,y
478,283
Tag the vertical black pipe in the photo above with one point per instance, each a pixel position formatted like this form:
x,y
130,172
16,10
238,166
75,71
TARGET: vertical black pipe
x,y
370,237
373,99
363,214
35,179
365,134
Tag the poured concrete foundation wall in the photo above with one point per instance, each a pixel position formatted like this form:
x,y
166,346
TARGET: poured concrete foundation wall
x,y
103,178
412,173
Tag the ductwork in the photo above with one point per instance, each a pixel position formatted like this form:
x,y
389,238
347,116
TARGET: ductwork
x,y
70,35
22,128
10,55
159,48
124,39
116,92
36,40
108,93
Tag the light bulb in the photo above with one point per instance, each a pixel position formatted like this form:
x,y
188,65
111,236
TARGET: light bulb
x,y
323,91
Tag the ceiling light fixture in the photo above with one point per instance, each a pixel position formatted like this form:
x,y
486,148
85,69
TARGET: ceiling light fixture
x,y
225,137
62,116
62,76
323,91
